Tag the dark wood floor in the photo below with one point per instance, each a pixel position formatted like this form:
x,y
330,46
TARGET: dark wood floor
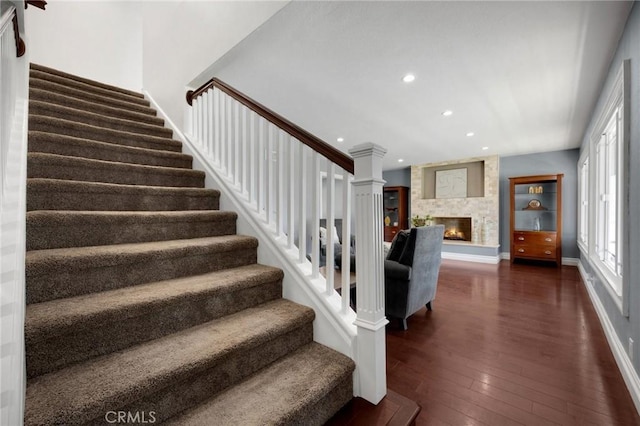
x,y
504,345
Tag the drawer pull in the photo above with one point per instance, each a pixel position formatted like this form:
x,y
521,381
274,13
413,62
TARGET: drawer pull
x,y
520,250
547,252
520,238
548,239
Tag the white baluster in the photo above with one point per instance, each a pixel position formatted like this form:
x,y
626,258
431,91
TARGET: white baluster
x,y
201,121
262,163
229,136
302,222
331,215
223,131
291,179
195,106
216,125
245,147
316,193
210,119
280,187
254,154
205,122
269,181
238,144
346,241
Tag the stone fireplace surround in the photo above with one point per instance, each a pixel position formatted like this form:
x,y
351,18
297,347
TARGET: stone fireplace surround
x,y
484,211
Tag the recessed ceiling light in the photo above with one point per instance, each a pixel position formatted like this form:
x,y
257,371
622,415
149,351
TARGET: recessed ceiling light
x,y
470,134
484,148
447,113
408,78
340,139
400,160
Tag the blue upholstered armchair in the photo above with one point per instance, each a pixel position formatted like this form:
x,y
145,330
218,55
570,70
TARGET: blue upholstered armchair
x,y
411,271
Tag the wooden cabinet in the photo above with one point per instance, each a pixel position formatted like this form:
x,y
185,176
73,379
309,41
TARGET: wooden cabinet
x,y
396,210
536,217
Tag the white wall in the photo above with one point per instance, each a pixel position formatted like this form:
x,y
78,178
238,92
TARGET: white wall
x,y
159,46
182,38
101,40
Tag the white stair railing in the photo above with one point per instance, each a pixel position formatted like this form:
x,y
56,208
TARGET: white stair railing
x,y
289,180
14,70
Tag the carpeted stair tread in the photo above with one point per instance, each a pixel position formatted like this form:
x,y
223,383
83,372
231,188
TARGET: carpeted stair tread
x,y
94,107
48,229
284,393
56,315
48,70
57,194
54,166
86,131
87,88
54,143
67,272
73,114
49,86
87,390
65,331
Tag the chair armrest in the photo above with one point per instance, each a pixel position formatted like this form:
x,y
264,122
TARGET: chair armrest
x,y
396,271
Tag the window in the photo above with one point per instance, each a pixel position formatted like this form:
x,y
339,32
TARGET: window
x,y
608,221
583,202
601,218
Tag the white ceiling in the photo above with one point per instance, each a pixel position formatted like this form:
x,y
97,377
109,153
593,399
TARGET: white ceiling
x,y
523,76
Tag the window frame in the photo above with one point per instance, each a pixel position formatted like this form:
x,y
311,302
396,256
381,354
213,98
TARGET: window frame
x,y
615,281
583,202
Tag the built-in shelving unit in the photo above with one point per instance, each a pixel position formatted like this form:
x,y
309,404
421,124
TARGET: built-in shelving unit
x,y
536,217
396,210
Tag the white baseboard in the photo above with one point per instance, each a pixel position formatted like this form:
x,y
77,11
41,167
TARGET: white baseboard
x,y
629,374
568,261
494,260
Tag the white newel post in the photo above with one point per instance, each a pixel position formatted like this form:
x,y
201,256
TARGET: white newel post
x,y
370,320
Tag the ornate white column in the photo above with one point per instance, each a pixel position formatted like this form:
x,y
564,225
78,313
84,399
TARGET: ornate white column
x,y
370,320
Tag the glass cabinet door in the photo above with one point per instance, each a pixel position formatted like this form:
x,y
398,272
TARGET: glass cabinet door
x,y
391,206
535,207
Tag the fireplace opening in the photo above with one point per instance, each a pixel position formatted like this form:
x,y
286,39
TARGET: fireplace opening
x,y
455,228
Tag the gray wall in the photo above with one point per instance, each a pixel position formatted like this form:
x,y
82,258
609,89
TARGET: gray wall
x,y
626,327
398,177
538,164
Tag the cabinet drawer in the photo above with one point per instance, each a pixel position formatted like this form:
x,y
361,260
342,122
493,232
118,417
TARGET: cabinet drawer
x,y
534,238
390,232
539,252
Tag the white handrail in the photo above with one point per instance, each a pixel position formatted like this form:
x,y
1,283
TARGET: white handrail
x,y
290,187
14,72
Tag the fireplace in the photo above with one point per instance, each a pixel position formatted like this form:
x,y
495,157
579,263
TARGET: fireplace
x,y
455,228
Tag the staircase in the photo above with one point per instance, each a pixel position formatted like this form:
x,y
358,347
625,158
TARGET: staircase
x,y
141,297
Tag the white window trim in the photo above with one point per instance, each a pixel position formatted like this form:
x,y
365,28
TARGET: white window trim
x,y
583,182
619,96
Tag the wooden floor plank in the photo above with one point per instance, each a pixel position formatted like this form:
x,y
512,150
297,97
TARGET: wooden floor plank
x,y
508,344
528,338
